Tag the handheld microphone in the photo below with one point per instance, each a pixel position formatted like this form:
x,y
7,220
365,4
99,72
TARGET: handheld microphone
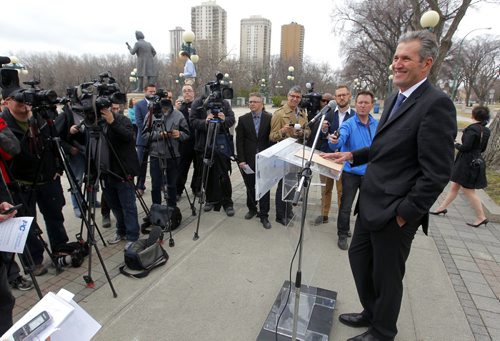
x,y
332,105
4,60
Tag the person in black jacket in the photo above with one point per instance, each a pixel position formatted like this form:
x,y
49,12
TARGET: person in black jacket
x,y
118,165
252,137
467,174
219,190
36,171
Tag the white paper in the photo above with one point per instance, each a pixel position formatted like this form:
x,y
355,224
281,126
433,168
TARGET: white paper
x,y
68,320
13,233
247,169
57,308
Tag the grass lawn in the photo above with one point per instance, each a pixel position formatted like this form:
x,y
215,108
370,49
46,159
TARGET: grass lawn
x,y
493,188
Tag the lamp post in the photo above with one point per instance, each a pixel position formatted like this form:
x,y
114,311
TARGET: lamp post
x,y
15,65
389,84
291,76
429,20
456,68
187,46
133,78
264,89
278,87
357,86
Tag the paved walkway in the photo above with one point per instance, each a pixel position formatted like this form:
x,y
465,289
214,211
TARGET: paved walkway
x,y
222,287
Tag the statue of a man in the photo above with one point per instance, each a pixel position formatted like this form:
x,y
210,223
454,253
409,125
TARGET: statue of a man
x,y
145,64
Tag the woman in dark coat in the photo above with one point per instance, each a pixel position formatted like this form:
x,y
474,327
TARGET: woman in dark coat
x,y
467,174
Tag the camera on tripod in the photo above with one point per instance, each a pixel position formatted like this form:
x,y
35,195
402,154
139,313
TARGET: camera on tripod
x,y
91,97
311,101
158,101
216,92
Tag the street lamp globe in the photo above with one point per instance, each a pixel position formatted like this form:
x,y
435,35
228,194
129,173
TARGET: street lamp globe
x,y
195,58
429,20
391,77
181,75
291,69
13,60
188,37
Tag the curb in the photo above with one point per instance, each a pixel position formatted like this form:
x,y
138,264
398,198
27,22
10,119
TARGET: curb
x,y
491,209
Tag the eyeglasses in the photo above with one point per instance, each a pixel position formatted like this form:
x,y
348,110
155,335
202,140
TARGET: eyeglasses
x,y
295,96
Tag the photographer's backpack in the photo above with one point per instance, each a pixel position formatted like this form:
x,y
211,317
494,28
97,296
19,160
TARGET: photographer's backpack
x,y
144,255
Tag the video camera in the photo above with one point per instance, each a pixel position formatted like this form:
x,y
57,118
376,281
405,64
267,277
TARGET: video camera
x,y
42,101
91,97
311,101
215,92
157,101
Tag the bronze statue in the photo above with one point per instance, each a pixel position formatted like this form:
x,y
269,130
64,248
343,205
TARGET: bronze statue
x,y
145,60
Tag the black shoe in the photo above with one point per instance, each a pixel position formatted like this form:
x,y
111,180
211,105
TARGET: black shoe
x,y
265,222
283,221
21,283
443,212
342,243
485,222
208,207
229,211
354,320
250,215
366,336
322,219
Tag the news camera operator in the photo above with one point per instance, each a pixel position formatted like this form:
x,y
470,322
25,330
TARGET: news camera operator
x,y
36,171
165,130
219,190
119,164
186,148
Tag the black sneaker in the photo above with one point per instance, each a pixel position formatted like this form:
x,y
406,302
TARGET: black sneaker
x,y
342,243
21,283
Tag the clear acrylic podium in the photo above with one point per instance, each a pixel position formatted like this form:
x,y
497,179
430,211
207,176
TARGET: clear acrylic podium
x,y
285,160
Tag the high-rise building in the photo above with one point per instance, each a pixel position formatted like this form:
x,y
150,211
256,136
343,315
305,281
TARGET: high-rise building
x,y
175,42
255,40
292,44
209,24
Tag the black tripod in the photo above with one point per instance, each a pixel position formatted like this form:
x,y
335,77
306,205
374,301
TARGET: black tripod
x,y
208,161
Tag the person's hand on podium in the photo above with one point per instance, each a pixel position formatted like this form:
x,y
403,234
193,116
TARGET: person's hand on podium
x,y
338,157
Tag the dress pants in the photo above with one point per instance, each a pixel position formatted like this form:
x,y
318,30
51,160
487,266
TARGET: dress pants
x,y
377,260
264,202
350,186
326,193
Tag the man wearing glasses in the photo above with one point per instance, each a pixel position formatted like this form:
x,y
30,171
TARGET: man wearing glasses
x,y
282,127
332,123
252,137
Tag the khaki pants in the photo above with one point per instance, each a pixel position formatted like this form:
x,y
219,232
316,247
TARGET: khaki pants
x,y
326,193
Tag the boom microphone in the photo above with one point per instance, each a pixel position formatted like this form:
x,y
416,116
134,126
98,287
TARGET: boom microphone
x,y
4,60
332,105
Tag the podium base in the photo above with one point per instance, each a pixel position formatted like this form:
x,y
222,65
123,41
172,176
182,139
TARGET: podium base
x,y
315,319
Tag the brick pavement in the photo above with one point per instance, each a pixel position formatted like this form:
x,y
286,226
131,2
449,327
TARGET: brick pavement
x,y
472,258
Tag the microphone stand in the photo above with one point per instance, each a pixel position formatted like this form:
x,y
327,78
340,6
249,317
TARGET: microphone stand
x,y
303,185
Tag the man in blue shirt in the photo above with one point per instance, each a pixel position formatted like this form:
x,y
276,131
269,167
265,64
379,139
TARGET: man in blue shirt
x,y
189,69
355,133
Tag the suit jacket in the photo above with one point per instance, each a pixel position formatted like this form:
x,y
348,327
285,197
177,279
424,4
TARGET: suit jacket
x,y
410,159
331,117
141,110
248,144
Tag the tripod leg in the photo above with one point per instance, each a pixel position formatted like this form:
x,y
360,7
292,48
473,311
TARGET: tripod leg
x,y
207,164
28,268
191,203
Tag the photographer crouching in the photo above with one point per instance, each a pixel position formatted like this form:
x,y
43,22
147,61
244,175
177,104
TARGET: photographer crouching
x,y
164,129
214,109
119,164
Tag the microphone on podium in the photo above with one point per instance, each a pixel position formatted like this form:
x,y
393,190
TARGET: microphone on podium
x,y
332,105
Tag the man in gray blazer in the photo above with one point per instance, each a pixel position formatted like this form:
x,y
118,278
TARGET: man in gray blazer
x,y
409,164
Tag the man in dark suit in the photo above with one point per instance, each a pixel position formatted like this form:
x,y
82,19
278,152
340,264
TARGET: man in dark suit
x,y
409,164
252,137
141,110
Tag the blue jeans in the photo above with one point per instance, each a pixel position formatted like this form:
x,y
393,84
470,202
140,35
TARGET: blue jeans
x,y
157,180
120,197
350,186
